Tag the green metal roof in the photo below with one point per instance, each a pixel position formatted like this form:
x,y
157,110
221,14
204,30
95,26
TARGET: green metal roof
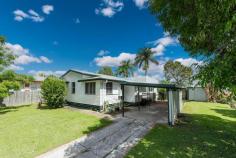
x,y
156,85
122,81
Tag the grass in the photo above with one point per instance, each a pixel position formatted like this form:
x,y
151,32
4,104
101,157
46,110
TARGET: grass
x,y
205,130
26,131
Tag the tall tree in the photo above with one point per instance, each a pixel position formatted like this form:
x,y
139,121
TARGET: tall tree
x,y
144,57
207,29
177,73
6,56
125,69
106,70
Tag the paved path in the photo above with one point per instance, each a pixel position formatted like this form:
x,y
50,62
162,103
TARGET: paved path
x,y
110,142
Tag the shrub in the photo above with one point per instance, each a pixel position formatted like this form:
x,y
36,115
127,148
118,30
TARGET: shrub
x,y
3,91
109,108
11,85
53,91
5,86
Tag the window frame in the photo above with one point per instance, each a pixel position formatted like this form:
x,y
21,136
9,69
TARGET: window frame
x,y
109,89
90,88
73,87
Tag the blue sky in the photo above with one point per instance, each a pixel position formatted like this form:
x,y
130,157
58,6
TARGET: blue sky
x,y
57,35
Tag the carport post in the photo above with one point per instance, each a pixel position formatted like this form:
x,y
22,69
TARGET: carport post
x,y
122,98
138,100
170,104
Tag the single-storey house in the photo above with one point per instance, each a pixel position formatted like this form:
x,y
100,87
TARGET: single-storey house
x,y
91,89
34,85
97,90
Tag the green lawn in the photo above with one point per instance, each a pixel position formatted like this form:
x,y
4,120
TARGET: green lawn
x,y
26,131
205,130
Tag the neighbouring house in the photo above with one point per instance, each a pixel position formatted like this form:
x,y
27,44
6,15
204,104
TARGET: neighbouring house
x,y
34,85
91,89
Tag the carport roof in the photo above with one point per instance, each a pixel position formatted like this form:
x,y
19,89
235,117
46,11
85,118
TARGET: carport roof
x,y
132,83
122,81
156,85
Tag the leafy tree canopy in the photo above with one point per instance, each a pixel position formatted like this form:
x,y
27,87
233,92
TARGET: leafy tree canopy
x,y
9,75
206,29
11,85
3,91
125,69
177,73
106,70
6,56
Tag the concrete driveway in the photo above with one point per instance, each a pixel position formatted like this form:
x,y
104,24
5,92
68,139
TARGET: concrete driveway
x,y
115,140
157,112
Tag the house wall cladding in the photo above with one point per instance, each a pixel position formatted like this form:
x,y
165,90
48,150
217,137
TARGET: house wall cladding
x,y
19,98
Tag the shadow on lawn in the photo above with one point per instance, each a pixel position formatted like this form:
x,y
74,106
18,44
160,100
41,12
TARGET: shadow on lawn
x,y
194,136
46,107
228,113
4,110
102,123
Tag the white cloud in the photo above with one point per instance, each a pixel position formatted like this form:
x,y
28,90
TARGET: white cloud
x,y
113,61
157,71
32,12
140,3
17,49
18,18
21,15
24,56
109,12
45,59
188,61
26,59
109,8
161,43
15,67
103,52
47,9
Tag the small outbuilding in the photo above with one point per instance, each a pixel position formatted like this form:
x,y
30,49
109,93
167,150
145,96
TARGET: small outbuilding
x,y
196,94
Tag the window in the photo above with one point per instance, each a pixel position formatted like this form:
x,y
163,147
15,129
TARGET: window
x,y
73,87
142,89
109,87
151,89
90,88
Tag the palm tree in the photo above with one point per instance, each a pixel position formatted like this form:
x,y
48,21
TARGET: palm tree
x,y
143,59
125,69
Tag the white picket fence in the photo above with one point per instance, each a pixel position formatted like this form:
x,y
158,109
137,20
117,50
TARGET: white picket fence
x,y
22,98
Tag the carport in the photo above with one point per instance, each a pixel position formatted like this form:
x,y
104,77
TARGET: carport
x,y
174,97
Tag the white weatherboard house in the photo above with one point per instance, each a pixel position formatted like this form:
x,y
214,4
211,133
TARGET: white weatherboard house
x,y
91,89
95,90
